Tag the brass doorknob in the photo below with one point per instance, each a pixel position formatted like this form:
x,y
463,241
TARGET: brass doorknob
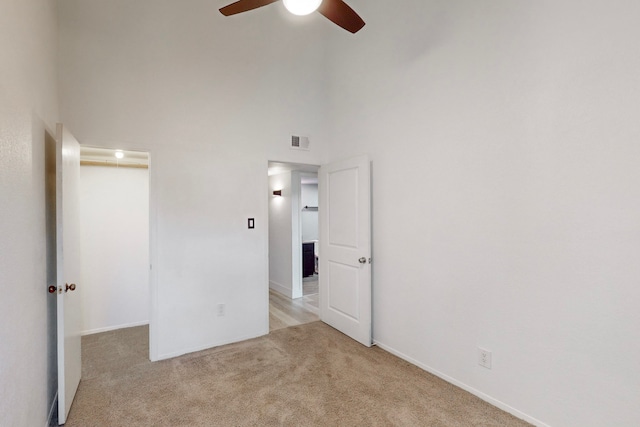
x,y
52,289
70,287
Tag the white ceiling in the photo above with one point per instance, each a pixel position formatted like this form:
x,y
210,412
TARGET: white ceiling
x,y
278,167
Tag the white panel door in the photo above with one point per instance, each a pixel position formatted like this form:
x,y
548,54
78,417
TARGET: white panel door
x,y
345,247
69,316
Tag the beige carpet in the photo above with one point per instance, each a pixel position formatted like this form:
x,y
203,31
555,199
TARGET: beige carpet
x,y
307,375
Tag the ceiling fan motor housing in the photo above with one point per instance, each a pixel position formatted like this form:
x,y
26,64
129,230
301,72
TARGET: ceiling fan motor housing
x,y
302,7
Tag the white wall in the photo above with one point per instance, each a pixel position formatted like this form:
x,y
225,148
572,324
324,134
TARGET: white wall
x,y
28,106
309,218
504,144
114,242
285,248
280,234
212,98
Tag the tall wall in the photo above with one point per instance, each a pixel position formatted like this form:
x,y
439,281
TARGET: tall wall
x,y
28,107
504,145
281,233
114,242
213,99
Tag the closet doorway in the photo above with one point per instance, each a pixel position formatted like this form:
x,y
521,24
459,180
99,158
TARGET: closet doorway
x,y
114,228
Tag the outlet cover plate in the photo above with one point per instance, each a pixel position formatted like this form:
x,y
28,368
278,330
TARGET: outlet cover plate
x,y
484,358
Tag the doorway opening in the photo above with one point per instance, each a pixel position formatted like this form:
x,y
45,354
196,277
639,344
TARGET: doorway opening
x,y
293,244
114,228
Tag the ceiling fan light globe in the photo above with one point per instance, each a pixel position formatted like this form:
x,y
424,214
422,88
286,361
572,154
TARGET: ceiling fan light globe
x,y
302,7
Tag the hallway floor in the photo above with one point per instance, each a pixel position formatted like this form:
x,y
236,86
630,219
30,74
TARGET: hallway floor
x,y
285,312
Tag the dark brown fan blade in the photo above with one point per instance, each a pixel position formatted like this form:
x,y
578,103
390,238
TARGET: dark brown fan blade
x,y
341,14
244,6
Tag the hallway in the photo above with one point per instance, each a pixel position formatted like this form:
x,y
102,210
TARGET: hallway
x,y
285,312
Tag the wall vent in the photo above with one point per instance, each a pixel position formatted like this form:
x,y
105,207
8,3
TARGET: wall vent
x,y
299,142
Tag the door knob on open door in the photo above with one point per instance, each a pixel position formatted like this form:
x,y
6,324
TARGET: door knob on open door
x,y
70,287
363,260
52,289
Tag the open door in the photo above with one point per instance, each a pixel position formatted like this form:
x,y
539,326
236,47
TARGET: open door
x,y
69,316
345,247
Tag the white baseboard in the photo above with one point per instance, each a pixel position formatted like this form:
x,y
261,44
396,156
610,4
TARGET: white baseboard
x,y
166,356
280,289
52,411
495,402
113,328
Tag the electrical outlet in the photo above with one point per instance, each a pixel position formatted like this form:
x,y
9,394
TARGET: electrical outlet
x,y
484,358
220,310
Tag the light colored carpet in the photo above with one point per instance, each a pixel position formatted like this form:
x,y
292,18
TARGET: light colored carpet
x,y
307,375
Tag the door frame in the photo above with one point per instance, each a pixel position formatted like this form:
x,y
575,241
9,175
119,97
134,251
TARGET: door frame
x,y
153,290
299,169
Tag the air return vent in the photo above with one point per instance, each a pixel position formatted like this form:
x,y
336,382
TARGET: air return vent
x,y
299,142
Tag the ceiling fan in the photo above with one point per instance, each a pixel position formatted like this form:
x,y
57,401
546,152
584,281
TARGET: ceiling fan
x,y
336,11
